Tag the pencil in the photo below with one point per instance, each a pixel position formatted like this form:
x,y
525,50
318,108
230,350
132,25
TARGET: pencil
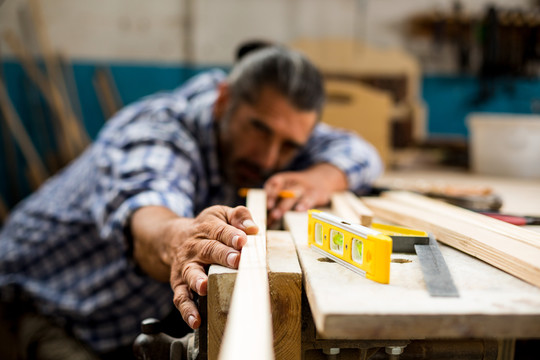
x,y
286,194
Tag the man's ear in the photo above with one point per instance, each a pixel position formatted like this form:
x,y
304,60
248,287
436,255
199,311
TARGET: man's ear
x,y
222,100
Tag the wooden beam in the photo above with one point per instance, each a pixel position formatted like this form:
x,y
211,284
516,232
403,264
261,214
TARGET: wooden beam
x,y
285,279
248,333
454,228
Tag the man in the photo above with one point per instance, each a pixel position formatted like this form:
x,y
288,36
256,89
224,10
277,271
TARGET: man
x,y
99,247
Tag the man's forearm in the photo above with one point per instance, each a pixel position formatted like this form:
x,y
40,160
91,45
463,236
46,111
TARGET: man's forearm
x,y
152,232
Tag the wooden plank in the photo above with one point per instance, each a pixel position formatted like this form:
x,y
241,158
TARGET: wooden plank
x,y
51,94
285,279
220,288
248,332
342,208
346,305
285,283
37,172
349,207
106,91
471,217
515,257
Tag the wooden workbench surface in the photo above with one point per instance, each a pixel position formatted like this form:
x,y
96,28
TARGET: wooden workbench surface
x,y
345,305
492,303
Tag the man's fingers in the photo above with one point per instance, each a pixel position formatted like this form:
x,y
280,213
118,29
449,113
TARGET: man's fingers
x,y
282,207
214,252
184,303
240,217
272,187
305,203
194,274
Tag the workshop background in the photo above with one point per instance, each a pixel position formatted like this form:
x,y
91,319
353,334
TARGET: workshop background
x,y
440,68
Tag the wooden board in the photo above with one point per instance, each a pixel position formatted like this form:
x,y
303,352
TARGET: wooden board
x,y
345,305
285,283
513,256
220,288
248,332
285,280
348,206
512,231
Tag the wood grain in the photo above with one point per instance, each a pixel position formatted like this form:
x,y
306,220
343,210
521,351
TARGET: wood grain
x,y
471,217
220,288
348,206
285,283
248,332
285,279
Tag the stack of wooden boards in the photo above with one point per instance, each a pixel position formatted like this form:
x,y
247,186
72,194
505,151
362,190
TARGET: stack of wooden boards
x,y
508,247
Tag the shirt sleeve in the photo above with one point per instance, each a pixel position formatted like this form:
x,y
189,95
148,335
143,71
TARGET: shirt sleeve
x,y
350,153
151,160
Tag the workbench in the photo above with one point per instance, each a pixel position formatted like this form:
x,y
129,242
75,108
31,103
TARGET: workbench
x,y
343,312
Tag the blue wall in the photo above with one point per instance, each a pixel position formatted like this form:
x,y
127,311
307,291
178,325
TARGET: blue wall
x,y
132,81
449,99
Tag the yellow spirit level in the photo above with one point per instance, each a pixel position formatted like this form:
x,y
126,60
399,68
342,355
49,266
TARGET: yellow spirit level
x,y
359,248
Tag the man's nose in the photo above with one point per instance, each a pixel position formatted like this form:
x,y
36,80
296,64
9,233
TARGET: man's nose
x,y
270,156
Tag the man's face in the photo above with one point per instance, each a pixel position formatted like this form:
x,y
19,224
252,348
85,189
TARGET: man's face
x,y
258,140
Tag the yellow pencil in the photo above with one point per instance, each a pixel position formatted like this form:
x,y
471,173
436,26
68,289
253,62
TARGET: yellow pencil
x,y
286,194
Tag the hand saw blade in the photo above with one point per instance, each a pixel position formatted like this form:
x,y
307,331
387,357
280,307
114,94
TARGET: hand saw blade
x,y
437,276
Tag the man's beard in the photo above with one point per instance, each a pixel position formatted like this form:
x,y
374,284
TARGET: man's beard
x,y
245,173
238,172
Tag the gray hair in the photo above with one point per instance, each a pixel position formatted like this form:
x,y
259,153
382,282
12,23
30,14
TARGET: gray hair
x,y
286,71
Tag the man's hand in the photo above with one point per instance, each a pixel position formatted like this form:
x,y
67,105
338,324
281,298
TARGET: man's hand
x,y
313,187
184,247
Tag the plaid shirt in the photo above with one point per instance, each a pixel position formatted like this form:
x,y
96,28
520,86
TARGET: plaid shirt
x,y
66,247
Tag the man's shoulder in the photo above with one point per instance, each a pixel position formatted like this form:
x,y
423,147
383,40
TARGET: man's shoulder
x,y
202,82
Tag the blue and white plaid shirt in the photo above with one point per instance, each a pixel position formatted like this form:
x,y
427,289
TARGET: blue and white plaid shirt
x,y
66,247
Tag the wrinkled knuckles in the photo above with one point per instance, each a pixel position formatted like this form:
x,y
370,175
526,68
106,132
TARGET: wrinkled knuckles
x,y
210,252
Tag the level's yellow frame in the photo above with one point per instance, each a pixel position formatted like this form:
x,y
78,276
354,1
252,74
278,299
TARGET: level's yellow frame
x,y
376,247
